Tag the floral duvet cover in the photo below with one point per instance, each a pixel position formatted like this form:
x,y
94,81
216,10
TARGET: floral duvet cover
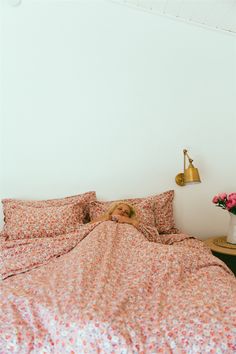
x,y
108,289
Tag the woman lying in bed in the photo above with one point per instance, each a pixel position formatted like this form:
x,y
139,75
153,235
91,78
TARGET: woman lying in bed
x,y
121,212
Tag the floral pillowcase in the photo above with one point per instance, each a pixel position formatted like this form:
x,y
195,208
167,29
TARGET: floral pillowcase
x,y
164,214
84,198
44,218
31,222
143,209
152,211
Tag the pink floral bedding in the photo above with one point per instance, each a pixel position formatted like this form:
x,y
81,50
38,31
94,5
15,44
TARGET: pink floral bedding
x,y
108,289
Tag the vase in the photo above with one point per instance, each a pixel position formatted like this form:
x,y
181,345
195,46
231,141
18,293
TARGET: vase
x,y
231,234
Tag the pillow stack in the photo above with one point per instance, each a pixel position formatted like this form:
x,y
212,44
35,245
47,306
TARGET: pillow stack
x,y
24,219
44,218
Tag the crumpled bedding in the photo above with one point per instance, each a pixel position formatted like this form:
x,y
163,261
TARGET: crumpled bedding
x,y
107,289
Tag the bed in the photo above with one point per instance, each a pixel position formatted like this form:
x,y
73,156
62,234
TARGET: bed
x,y
108,287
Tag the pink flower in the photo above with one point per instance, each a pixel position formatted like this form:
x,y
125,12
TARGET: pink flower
x,y
226,202
215,199
230,204
222,196
232,199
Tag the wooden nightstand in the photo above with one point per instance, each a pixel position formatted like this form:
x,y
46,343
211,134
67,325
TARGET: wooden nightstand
x,y
227,255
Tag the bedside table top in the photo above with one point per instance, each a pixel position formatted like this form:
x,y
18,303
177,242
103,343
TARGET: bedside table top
x,y
219,249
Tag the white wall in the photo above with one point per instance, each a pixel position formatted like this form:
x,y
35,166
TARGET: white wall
x,y
101,97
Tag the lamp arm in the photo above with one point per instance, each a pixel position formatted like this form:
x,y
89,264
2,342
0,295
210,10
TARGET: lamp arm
x,y
189,159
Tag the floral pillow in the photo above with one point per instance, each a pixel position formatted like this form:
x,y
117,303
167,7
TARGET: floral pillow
x,y
9,205
156,210
25,221
163,211
143,208
83,198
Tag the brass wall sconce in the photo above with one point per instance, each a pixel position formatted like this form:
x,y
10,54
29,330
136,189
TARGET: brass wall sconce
x,y
190,174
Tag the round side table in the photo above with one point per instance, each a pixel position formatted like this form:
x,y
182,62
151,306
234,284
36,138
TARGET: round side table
x,y
227,255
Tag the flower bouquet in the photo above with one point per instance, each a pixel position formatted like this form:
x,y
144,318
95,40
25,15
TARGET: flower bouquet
x,y
225,201
228,202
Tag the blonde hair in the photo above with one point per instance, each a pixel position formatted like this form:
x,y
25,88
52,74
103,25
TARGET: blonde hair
x,y
114,205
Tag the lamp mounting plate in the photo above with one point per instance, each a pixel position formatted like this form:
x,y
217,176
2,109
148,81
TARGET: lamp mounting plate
x,y
179,179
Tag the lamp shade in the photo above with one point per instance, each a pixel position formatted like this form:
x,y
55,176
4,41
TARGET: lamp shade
x,y
191,174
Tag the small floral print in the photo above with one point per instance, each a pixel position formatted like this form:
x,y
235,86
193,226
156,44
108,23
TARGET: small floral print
x,y
107,289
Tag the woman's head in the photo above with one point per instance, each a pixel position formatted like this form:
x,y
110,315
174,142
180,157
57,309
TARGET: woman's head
x,y
121,208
